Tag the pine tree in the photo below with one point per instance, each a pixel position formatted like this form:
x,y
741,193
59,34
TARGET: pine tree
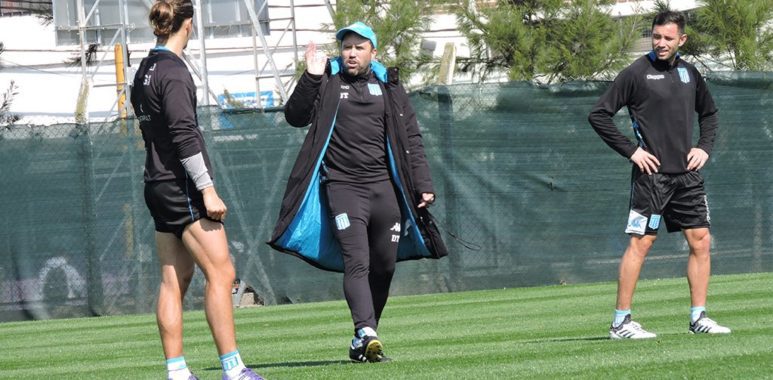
x,y
734,34
6,117
549,40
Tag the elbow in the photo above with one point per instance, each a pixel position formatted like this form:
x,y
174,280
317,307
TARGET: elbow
x,y
296,121
598,120
592,118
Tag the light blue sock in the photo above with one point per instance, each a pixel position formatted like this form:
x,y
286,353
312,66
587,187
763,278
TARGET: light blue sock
x,y
232,364
176,368
695,312
366,331
620,317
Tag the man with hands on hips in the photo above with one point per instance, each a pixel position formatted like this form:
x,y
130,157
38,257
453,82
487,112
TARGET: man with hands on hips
x,y
662,93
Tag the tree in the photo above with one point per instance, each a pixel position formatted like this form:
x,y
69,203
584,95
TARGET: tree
x,y
503,37
734,34
6,117
550,40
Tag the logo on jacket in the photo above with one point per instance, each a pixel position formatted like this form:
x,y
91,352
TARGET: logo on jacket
x,y
656,77
374,89
683,74
342,221
396,227
344,95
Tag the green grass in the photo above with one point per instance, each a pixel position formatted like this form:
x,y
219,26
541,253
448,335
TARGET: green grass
x,y
544,332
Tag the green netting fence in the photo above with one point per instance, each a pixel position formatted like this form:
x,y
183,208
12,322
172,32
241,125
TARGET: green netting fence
x,y
531,192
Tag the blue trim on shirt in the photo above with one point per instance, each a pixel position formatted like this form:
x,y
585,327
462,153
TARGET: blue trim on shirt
x,y
637,133
654,57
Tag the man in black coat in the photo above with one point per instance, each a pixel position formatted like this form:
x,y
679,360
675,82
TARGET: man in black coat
x,y
364,159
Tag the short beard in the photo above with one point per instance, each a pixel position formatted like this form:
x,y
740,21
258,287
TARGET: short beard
x,y
358,72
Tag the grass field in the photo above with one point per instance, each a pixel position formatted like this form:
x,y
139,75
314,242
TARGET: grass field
x,y
544,332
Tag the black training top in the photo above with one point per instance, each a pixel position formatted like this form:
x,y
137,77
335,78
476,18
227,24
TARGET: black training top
x,y
164,100
662,100
357,150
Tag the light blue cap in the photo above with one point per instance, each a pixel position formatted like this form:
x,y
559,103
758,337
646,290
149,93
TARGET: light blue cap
x,y
361,29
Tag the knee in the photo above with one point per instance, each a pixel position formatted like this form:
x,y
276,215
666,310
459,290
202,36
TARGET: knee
x,y
356,269
700,242
383,270
185,279
222,274
640,245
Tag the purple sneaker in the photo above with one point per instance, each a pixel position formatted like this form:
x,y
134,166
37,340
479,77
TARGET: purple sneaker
x,y
245,374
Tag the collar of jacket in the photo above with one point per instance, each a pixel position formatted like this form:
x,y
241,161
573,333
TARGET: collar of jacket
x,y
653,57
379,69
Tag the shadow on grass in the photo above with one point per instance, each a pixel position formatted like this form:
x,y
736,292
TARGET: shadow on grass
x,y
560,340
317,363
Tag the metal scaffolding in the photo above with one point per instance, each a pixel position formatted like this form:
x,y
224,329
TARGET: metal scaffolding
x,y
91,30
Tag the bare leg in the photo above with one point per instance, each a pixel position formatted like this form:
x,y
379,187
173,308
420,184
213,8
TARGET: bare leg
x,y
176,274
698,264
206,241
630,267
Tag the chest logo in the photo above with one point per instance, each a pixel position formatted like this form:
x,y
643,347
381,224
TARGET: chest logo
x,y
683,74
374,89
344,95
656,77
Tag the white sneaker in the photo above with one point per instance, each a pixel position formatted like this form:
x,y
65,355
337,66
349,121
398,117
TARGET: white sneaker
x,y
629,330
706,325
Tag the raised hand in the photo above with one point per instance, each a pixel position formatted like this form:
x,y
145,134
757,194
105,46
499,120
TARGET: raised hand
x,y
315,61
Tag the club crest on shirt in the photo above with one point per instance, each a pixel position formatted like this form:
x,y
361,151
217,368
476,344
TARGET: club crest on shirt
x,y
683,74
374,89
342,221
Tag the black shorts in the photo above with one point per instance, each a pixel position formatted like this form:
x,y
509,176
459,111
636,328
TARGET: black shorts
x,y
174,205
679,200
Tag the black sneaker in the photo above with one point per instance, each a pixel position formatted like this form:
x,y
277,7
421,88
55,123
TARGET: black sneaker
x,y
368,349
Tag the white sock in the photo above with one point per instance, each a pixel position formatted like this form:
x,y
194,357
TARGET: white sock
x,y
232,364
177,369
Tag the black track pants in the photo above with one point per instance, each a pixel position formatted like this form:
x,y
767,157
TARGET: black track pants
x,y
366,220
